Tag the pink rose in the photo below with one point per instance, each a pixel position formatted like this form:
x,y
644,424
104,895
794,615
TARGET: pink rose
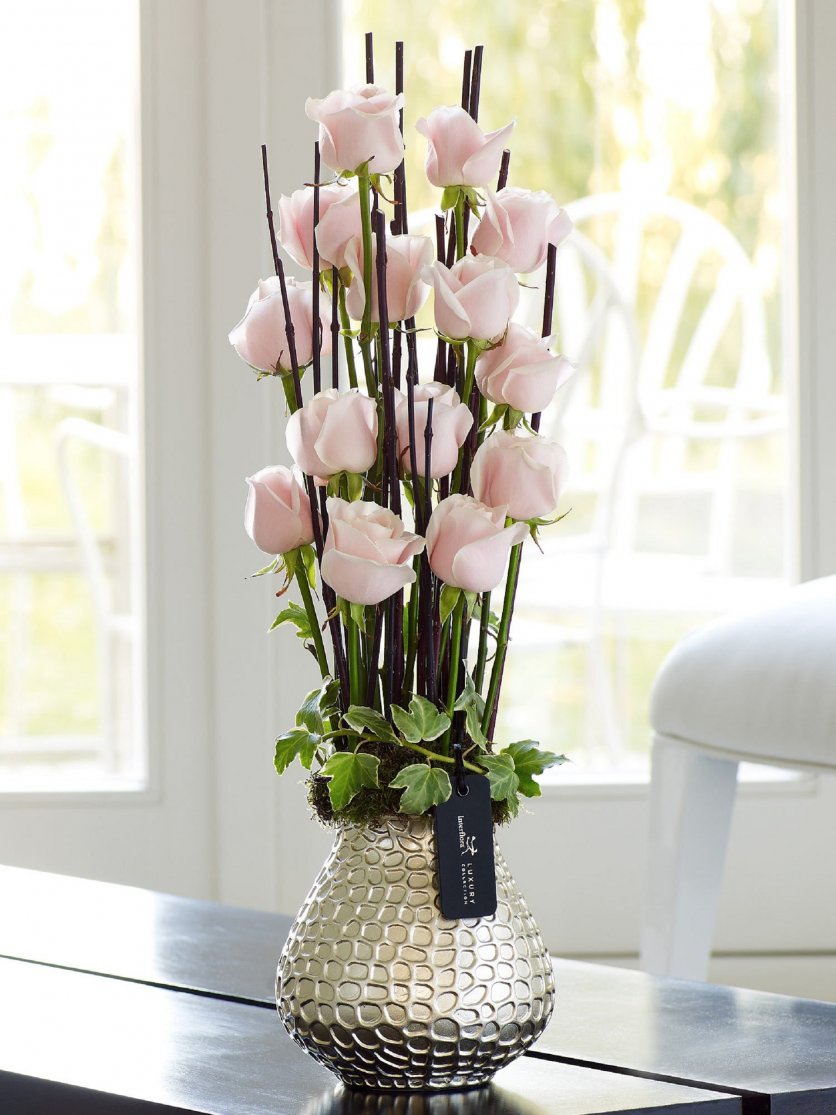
x,y
334,432
406,292
296,230
518,226
260,337
521,372
451,424
359,126
278,512
339,226
459,153
367,552
475,298
468,543
524,474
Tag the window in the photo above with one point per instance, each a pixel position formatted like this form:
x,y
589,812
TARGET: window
x,y
70,589
658,125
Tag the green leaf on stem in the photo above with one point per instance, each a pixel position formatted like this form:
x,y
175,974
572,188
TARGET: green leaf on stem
x,y
298,743
348,772
422,723
296,615
502,776
473,705
449,599
308,556
364,719
423,786
529,761
267,568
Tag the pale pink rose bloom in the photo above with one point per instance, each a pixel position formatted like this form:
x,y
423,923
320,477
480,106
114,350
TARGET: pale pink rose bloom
x,y
521,372
367,551
296,232
338,227
524,474
475,298
278,512
358,126
518,226
451,424
335,432
260,337
459,153
468,543
406,291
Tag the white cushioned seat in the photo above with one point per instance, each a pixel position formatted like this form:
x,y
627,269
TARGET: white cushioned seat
x,y
758,686
761,686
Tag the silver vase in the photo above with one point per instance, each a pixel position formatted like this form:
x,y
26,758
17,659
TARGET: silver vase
x,y
376,984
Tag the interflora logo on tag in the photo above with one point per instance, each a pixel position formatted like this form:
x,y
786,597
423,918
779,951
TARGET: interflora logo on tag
x,y
467,844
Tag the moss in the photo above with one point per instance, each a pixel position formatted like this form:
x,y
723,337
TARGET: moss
x,y
370,806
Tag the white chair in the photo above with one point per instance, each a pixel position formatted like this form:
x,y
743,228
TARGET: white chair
x,y
659,307
758,687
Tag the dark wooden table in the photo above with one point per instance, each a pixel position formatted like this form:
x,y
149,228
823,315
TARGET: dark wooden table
x,y
114,999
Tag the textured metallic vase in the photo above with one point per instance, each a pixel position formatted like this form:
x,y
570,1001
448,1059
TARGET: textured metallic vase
x,y
377,985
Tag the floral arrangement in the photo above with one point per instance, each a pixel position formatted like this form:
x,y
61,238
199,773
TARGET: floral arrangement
x,y
413,493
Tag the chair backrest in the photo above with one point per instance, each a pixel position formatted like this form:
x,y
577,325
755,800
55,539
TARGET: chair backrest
x,y
660,308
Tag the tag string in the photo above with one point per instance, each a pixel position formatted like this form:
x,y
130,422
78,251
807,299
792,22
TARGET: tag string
x,y
458,769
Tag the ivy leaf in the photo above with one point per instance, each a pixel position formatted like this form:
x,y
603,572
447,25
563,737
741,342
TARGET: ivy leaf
x,y
362,718
423,786
297,743
348,772
296,615
317,705
501,774
529,761
473,705
423,721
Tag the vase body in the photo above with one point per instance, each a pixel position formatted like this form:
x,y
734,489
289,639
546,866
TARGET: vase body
x,y
376,984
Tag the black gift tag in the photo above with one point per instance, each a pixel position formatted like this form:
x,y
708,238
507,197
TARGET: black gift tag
x,y
464,842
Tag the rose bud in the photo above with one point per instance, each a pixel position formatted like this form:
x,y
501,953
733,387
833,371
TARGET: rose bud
x,y
524,474
334,432
406,291
474,299
458,152
358,126
468,543
451,424
338,227
278,512
518,226
367,551
296,231
521,372
260,337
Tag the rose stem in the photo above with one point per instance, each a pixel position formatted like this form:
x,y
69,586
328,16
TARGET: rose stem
x,y
307,600
369,58
399,224
372,677
492,699
502,181
455,657
548,309
426,593
482,652
440,372
420,525
328,597
366,324
335,329
345,322
317,325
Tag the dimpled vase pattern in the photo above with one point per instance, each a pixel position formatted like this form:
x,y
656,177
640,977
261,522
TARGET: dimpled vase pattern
x,y
388,994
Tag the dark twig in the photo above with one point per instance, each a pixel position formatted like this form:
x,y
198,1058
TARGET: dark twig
x,y
475,83
468,59
317,324
290,332
548,309
270,224
369,58
502,181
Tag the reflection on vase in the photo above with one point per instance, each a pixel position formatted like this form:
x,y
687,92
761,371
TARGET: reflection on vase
x,y
342,1101
376,984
